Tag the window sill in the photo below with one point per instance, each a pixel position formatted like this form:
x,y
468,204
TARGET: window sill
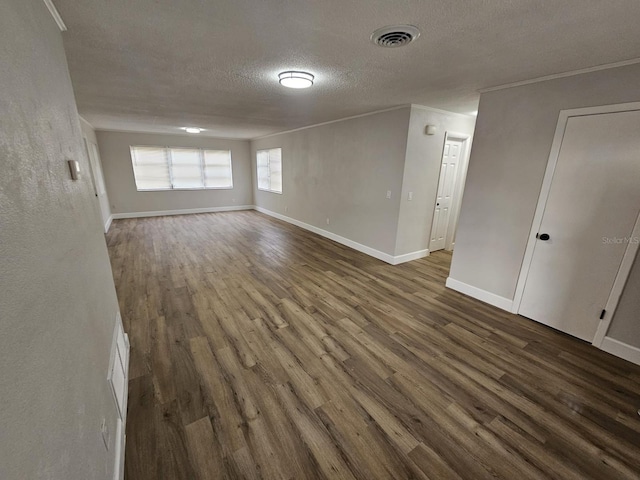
x,y
183,189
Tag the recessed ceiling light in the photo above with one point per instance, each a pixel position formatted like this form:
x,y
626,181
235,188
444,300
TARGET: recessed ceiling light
x,y
293,79
192,129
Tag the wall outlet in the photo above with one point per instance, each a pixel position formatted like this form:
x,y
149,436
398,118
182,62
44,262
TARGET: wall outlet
x,y
410,196
388,193
104,429
286,208
328,221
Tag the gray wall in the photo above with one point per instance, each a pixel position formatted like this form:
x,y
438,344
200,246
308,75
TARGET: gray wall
x,y
57,299
342,171
421,173
121,187
625,325
513,137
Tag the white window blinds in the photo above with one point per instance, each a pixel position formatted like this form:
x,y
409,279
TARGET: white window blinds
x,y
151,168
164,168
186,168
217,169
269,170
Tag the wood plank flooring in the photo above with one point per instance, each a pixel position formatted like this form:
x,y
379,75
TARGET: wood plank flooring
x,y
260,350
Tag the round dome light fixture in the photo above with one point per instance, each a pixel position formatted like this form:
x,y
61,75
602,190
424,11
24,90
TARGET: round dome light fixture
x,y
293,79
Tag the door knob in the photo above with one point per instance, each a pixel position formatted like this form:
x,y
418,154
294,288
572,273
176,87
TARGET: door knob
x,y
544,236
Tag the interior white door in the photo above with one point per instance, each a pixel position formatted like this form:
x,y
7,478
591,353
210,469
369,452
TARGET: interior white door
x,y
446,191
593,204
98,179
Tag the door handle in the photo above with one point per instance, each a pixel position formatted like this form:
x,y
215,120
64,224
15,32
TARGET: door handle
x,y
544,236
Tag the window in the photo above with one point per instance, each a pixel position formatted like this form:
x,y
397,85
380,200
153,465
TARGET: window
x,y
270,170
164,168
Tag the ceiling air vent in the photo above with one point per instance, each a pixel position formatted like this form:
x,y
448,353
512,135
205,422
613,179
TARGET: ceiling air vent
x,y
395,36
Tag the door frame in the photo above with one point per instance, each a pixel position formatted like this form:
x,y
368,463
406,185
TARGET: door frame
x,y
632,248
458,188
98,182
94,180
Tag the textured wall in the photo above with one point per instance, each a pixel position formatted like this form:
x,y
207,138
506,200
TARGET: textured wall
x,y
342,171
121,186
421,174
57,299
513,137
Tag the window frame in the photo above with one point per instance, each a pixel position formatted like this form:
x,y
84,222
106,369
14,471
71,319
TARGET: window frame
x,y
269,168
169,158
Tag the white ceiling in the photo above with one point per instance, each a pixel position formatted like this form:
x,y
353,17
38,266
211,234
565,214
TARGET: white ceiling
x,y
158,65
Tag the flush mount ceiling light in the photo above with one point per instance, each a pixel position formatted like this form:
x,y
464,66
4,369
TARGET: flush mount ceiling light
x,y
395,36
192,129
293,79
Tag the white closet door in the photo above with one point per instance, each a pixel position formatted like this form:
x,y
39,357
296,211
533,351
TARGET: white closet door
x,y
446,191
589,217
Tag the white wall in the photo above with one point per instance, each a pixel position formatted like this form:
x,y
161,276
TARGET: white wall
x,y
121,187
512,141
342,170
421,173
57,299
89,135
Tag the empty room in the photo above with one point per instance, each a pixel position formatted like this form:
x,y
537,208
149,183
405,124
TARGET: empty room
x,y
284,239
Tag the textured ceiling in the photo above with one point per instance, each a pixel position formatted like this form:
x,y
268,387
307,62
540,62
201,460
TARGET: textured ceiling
x,y
158,65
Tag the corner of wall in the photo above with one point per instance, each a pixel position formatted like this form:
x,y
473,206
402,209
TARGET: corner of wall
x,y
421,173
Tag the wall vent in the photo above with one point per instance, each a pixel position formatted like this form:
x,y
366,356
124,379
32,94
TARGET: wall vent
x,y
395,36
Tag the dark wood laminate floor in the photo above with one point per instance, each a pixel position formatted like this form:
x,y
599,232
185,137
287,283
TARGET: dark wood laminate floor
x,y
259,350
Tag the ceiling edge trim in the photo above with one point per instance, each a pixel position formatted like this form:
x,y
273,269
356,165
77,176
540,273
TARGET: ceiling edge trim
x,y
176,134
406,105
56,15
438,110
82,119
554,76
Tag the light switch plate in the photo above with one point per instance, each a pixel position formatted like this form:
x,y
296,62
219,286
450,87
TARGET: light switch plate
x,y
74,169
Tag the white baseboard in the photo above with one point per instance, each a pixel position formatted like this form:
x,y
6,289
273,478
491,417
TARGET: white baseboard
x,y
385,257
121,440
621,349
475,292
186,211
108,224
407,257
